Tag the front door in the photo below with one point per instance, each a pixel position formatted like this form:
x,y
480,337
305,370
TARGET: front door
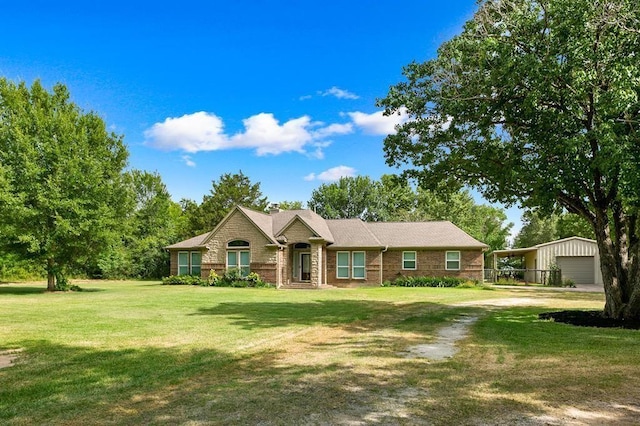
x,y
305,266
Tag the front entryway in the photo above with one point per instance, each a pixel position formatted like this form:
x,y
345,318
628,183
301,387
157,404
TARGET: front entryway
x,y
305,266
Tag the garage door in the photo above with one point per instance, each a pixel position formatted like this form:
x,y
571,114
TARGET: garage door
x,y
578,269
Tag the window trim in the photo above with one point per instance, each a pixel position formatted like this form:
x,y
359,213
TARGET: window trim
x,y
183,265
191,263
414,260
350,267
347,266
447,260
239,264
363,266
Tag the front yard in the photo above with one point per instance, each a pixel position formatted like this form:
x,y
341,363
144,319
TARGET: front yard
x,y
143,353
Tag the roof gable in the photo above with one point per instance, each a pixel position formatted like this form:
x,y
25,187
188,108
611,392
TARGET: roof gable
x,y
260,220
316,224
564,240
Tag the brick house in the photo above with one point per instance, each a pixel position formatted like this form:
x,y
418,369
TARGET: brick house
x,y
298,247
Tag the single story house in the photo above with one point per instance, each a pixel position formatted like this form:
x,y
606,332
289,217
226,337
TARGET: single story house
x,y
298,247
578,259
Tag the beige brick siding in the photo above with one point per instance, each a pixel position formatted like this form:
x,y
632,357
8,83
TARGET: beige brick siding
x,y
297,232
238,227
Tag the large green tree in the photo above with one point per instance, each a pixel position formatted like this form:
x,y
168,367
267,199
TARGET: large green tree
x,y
537,102
230,190
60,178
154,221
538,228
349,197
486,223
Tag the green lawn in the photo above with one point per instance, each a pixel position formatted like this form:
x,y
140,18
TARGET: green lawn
x,y
143,353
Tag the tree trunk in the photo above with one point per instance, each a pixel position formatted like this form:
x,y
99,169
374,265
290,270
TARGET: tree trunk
x,y
619,266
51,275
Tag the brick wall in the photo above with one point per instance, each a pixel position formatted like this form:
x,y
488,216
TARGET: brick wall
x,y
372,269
432,263
173,265
173,259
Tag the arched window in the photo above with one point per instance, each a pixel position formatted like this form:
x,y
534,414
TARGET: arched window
x,y
238,243
239,256
301,246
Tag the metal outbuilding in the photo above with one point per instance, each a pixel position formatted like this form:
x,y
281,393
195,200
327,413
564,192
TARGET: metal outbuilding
x,y
577,257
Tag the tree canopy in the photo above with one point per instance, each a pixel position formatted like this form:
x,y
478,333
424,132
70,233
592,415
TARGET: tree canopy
x,y
60,178
230,190
538,228
537,102
394,199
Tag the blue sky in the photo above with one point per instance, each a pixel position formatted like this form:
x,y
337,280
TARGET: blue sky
x,y
283,90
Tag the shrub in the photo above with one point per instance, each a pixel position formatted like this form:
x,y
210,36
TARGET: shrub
x,y
426,282
555,276
233,278
184,280
231,275
213,279
470,284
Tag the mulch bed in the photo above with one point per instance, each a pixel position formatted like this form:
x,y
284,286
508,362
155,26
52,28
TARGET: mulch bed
x,y
589,319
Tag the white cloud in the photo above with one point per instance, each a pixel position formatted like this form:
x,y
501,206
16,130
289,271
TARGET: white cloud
x,y
377,123
188,161
202,131
333,174
305,97
195,132
339,93
333,129
264,133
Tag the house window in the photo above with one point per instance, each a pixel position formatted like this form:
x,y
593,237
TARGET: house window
x,y
409,260
342,262
350,265
238,256
196,262
237,244
183,263
189,263
453,261
358,265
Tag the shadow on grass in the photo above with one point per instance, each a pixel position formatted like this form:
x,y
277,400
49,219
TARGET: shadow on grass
x,y
71,385
18,289
59,384
21,289
353,313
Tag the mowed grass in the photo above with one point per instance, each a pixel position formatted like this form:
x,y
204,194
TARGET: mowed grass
x,y
143,353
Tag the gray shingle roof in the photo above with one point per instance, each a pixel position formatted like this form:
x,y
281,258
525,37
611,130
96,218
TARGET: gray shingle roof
x,y
352,233
194,242
438,234
356,233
